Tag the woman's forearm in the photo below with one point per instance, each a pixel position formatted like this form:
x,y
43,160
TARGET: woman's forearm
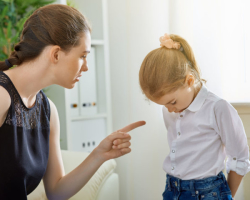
x,y
234,180
71,183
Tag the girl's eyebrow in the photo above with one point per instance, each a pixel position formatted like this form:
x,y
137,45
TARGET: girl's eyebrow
x,y
170,101
86,52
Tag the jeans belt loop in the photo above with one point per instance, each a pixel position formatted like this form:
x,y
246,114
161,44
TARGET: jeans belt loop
x,y
169,183
224,179
179,185
192,187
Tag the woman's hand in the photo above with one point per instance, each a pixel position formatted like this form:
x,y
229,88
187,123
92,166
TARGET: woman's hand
x,y
116,144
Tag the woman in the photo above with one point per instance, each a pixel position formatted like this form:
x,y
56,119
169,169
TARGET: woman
x,y
53,49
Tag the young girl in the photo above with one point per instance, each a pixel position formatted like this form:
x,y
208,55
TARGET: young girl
x,y
202,127
53,49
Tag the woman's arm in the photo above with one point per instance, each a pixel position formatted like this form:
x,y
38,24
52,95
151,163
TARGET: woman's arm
x,y
234,180
61,186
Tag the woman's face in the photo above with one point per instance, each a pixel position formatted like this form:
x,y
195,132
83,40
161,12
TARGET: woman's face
x,y
71,64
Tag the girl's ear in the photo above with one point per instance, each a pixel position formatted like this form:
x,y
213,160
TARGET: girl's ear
x,y
190,80
55,54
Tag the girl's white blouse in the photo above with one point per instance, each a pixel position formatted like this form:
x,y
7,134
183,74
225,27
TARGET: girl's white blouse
x,y
201,136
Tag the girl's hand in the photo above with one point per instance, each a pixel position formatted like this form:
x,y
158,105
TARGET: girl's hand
x,y
116,144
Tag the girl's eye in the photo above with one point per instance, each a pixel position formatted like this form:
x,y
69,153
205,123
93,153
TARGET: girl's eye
x,y
84,56
173,103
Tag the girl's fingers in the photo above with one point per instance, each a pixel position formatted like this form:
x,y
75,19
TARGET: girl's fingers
x,y
121,146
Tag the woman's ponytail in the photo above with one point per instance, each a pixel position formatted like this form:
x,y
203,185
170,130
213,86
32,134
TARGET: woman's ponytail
x,y
14,59
5,65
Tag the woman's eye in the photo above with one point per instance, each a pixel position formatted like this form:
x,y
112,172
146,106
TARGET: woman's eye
x,y
84,56
173,103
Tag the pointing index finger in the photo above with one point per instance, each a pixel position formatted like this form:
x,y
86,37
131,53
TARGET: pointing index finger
x,y
132,126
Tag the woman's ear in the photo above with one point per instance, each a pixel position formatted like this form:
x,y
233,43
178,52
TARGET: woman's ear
x,y
55,54
190,80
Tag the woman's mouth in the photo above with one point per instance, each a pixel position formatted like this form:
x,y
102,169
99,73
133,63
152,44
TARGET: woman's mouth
x,y
78,77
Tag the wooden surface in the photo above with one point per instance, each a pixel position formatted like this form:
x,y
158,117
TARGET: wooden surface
x,y
244,112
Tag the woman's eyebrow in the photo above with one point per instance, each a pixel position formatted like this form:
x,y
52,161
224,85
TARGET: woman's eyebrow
x,y
86,52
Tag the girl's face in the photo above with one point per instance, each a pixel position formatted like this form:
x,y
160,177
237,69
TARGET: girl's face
x,y
180,99
73,63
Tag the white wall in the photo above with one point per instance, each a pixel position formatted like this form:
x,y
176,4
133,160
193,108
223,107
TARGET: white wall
x,y
134,30
199,23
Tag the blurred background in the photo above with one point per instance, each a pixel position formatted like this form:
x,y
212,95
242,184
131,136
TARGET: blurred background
x,y
108,96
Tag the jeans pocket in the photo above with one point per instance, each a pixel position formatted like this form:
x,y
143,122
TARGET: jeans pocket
x,y
167,195
209,196
226,196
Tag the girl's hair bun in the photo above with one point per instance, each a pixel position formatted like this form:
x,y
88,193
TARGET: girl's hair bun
x,y
167,42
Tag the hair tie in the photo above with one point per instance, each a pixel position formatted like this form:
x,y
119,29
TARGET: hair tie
x,y
166,41
7,62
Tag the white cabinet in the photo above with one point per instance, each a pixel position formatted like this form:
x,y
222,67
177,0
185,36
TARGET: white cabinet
x,y
85,110
87,140
87,90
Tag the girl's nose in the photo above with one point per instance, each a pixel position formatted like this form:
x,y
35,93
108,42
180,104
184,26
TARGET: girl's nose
x,y
170,109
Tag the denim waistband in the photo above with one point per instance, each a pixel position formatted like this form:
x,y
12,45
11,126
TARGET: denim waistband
x,y
201,184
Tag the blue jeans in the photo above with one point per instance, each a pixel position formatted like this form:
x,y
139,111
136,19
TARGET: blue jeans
x,y
211,188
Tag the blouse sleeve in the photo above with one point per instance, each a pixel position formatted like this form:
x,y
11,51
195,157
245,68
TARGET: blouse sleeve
x,y
231,130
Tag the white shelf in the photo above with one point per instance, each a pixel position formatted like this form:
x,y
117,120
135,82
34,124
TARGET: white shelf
x,y
79,125
89,117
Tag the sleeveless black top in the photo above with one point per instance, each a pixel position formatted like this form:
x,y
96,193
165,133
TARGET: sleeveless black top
x,y
24,144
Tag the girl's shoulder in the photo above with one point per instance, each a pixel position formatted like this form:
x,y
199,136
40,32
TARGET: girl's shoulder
x,y
217,102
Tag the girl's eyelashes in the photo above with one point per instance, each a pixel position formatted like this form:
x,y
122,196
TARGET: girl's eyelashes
x,y
85,56
173,103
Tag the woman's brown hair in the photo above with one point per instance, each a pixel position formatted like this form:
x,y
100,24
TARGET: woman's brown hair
x,y
49,25
164,70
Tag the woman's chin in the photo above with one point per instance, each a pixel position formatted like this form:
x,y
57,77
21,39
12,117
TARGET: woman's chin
x,y
69,85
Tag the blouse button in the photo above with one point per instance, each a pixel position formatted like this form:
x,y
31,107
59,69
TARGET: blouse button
x,y
172,168
234,158
179,133
173,151
181,115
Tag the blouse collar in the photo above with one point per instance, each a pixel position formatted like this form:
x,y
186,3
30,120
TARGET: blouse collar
x,y
199,99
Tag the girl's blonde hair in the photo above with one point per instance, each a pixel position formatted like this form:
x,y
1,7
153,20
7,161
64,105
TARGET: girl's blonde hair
x,y
165,70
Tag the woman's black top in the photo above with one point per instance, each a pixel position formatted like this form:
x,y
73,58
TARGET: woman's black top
x,y
24,144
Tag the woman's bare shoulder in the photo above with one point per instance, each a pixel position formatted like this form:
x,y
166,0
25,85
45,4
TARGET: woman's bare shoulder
x,y
4,104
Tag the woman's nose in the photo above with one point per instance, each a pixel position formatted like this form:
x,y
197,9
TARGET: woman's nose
x,y
85,68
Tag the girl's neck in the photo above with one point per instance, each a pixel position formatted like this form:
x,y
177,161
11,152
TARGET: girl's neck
x,y
197,88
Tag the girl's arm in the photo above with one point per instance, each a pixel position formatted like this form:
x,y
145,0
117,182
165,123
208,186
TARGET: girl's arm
x,y
231,130
234,180
60,186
